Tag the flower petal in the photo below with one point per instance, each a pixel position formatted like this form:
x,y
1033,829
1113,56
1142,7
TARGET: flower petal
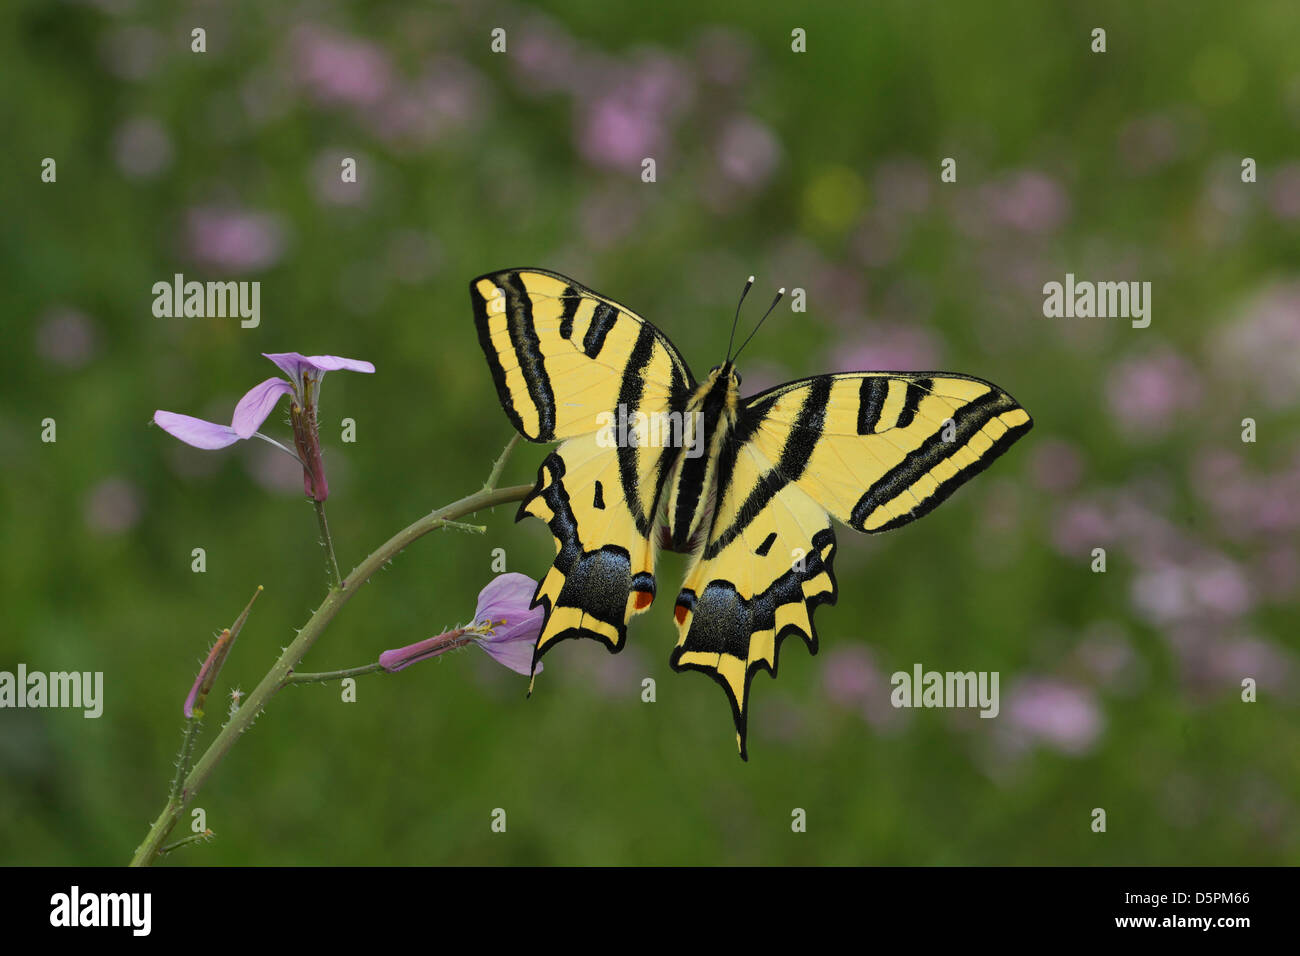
x,y
195,431
256,405
293,363
515,655
334,363
289,362
506,598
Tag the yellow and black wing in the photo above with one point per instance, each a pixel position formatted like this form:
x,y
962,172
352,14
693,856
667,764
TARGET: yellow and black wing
x,y
875,450
564,361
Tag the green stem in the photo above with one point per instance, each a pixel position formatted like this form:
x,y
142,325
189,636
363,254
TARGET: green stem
x,y
282,670
183,758
327,542
325,676
495,474
205,836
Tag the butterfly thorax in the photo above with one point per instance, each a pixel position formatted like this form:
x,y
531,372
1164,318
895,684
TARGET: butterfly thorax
x,y
710,415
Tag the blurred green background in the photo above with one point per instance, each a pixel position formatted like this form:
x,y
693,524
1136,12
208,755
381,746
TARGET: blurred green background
x,y
817,170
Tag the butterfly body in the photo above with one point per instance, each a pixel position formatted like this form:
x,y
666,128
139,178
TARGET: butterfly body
x,y
693,479
747,486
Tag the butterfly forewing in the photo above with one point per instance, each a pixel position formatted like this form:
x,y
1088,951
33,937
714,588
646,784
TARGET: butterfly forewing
x,y
891,446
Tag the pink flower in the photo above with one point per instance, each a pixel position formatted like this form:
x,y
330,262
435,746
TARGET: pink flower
x,y
306,372
505,627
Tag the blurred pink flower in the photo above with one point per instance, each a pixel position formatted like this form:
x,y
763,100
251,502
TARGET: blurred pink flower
x,y
854,682
1081,526
1031,202
66,337
232,239
1150,142
447,97
1278,571
132,52
629,117
336,68
413,256
886,348
1025,201
1259,346
1208,661
273,470
1106,655
1056,465
762,374
1284,192
1147,394
616,677
609,214
748,152
142,148
113,506
722,56
327,178
1199,585
902,187
545,57
1061,715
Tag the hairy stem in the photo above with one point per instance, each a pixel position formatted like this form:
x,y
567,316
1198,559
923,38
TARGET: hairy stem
x,y
183,758
281,672
323,677
328,543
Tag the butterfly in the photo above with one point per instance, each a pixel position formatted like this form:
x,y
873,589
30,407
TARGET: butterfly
x,y
651,457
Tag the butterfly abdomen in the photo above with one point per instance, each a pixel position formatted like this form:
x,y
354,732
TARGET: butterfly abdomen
x,y
693,483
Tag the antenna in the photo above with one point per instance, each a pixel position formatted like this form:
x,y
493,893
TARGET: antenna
x,y
743,292
779,293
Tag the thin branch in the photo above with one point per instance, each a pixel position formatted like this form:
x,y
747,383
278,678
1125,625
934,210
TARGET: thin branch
x,y
328,543
325,676
495,474
279,673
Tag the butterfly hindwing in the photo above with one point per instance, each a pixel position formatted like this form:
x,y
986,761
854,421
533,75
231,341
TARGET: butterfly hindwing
x,y
563,358
764,568
875,450
604,562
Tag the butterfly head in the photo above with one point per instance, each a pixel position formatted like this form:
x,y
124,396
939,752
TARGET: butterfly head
x,y
726,371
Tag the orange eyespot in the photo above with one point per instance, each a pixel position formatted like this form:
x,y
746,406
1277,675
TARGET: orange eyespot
x,y
643,599
680,613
